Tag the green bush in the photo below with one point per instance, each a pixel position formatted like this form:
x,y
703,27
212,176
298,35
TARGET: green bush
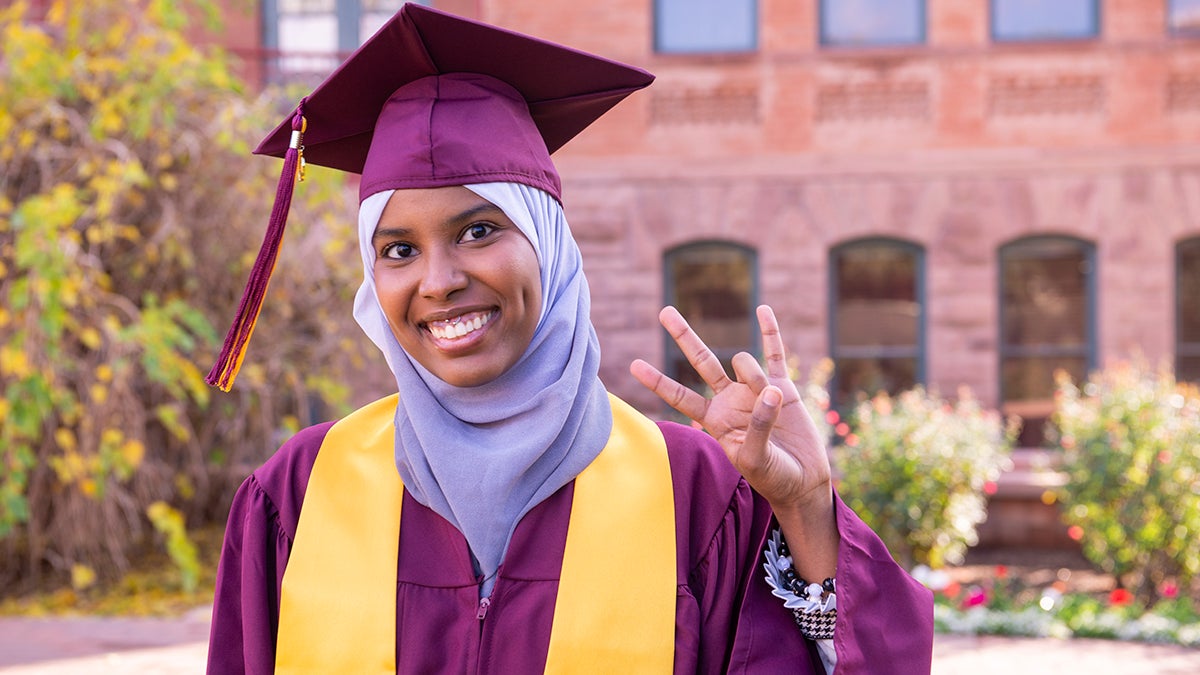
x,y
915,467
1131,450
130,212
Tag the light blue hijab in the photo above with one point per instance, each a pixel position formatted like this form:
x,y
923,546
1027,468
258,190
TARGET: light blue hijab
x,y
483,456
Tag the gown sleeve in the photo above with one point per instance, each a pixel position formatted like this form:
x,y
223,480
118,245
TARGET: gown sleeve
x,y
258,539
885,617
246,601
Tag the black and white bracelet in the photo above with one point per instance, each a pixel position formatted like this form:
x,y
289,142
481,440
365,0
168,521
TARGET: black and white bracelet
x,y
813,605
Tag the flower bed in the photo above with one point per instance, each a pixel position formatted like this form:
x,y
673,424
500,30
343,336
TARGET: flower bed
x,y
1004,603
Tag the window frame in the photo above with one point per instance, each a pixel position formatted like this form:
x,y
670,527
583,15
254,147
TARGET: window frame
x,y
919,292
825,41
670,297
1183,349
1172,31
659,49
1097,28
1090,348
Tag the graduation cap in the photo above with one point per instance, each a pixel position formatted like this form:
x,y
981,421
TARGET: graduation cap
x,y
432,100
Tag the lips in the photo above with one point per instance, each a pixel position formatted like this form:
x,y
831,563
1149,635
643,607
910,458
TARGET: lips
x,y
459,327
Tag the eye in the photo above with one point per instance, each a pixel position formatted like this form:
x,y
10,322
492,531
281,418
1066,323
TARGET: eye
x,y
477,231
397,251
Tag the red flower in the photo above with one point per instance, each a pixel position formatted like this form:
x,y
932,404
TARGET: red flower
x,y
851,440
842,429
952,589
832,417
1120,597
1075,532
1001,572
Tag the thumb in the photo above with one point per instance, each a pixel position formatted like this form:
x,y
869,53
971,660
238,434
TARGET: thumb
x,y
762,422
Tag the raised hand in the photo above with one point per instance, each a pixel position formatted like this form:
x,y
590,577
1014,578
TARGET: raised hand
x,y
768,435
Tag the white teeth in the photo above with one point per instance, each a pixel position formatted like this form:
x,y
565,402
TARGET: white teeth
x,y
458,326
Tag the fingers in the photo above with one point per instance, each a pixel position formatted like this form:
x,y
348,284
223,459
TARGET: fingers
x,y
772,343
674,394
707,365
748,372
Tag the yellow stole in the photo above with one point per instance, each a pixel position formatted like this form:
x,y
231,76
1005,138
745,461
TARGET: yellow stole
x,y
615,610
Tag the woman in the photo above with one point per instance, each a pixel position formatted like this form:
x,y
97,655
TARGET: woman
x,y
503,513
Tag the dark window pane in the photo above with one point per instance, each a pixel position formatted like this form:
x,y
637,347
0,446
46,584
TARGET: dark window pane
x,y
1187,346
1045,294
876,296
1029,392
1044,19
877,319
1188,268
1183,16
872,22
705,25
712,285
1188,369
866,377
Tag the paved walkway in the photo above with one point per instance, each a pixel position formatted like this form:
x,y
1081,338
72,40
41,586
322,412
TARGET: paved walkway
x,y
124,646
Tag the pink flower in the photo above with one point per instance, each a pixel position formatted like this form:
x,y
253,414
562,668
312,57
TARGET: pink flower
x,y
976,596
989,488
1169,590
842,429
832,417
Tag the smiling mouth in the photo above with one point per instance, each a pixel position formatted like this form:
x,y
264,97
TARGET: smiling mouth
x,y
459,326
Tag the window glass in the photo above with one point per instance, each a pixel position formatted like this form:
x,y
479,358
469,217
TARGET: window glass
x,y
1044,20
307,39
1046,325
698,26
872,22
1183,16
876,318
712,285
1187,298
375,13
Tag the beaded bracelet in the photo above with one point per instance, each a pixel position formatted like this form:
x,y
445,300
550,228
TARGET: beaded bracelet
x,y
814,606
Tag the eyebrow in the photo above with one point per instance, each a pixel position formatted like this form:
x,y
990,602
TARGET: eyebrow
x,y
468,214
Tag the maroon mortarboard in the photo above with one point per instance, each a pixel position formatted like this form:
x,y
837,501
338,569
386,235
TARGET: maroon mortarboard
x,y
433,100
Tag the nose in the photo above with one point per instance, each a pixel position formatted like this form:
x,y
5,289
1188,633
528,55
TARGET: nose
x,y
443,275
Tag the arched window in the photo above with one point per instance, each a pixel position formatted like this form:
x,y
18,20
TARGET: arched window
x,y
877,322
1187,310
713,284
1047,324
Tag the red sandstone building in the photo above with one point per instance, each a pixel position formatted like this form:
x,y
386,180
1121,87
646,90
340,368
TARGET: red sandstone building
x,y
944,192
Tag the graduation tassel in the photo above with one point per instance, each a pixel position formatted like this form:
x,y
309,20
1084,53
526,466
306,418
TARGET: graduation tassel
x,y
233,351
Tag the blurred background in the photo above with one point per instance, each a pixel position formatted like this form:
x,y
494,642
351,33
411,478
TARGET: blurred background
x,y
977,220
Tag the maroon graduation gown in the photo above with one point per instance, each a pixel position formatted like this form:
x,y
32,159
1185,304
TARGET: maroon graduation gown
x,y
726,618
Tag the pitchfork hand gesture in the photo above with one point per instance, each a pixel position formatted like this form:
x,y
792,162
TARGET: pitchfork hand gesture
x,y
768,435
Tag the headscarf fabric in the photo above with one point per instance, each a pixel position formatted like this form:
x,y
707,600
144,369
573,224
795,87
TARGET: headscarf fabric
x,y
483,456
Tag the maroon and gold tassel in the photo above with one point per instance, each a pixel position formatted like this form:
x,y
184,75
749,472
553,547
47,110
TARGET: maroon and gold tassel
x,y
233,351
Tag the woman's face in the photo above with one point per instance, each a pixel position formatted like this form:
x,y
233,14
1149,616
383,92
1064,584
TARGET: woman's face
x,y
458,282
